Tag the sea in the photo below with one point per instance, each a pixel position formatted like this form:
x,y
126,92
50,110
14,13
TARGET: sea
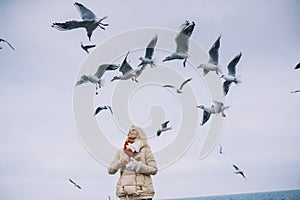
x,y
277,195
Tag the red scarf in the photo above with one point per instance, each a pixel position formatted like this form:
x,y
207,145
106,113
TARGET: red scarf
x,y
126,150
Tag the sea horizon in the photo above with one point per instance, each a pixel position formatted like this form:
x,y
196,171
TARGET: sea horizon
x,y
285,194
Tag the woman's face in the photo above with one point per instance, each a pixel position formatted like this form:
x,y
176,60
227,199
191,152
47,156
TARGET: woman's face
x,y
132,134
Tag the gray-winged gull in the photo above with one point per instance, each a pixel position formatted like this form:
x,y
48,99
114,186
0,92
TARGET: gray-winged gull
x,y
213,62
75,184
215,108
179,90
148,59
182,43
231,77
89,21
164,127
129,72
2,40
96,78
87,47
100,108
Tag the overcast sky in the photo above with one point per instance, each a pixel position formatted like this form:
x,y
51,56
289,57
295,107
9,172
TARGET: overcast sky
x,y
40,145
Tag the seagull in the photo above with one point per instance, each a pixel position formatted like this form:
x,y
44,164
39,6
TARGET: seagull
x,y
295,91
164,127
2,40
148,59
231,77
129,72
96,78
103,108
182,43
89,21
212,64
75,184
217,107
87,47
238,171
297,66
179,90
221,150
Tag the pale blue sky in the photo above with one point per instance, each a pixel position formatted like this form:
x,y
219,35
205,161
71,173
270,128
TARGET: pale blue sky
x,y
39,145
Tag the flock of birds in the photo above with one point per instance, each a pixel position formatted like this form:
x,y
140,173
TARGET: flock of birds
x,y
90,22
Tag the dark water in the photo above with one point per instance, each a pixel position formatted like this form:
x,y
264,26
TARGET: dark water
x,y
279,195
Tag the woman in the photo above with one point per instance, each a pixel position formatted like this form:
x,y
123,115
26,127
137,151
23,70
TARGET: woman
x,y
136,163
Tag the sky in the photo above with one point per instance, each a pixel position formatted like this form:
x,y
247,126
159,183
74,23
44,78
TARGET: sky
x,y
41,146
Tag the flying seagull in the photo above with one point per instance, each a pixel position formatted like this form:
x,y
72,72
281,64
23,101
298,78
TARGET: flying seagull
x,y
2,40
221,150
87,47
213,62
238,171
182,43
297,66
75,184
148,59
179,90
89,21
217,107
164,127
295,91
96,78
231,77
129,72
98,109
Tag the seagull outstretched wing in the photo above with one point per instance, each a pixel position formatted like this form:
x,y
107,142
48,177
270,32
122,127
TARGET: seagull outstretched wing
x,y
182,38
85,13
214,52
231,66
2,40
150,47
185,82
125,66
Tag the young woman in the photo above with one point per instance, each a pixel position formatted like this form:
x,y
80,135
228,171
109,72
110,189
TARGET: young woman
x,y
136,163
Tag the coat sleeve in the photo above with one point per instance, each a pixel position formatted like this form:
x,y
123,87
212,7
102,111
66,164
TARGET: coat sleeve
x,y
148,168
116,164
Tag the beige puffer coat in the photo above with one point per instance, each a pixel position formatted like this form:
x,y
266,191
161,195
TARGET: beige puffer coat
x,y
137,183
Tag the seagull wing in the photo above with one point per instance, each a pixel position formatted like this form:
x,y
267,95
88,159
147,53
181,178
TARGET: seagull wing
x,y
226,86
85,13
231,66
206,116
297,66
112,67
169,86
214,52
182,38
101,69
110,109
158,132
69,25
90,46
242,173
185,82
235,167
125,66
83,79
150,47
2,40
98,109
164,125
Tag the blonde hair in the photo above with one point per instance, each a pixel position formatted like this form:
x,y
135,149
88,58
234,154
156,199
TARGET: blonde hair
x,y
141,135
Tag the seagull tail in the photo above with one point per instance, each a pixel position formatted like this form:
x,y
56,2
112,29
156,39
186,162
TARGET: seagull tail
x,y
238,79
